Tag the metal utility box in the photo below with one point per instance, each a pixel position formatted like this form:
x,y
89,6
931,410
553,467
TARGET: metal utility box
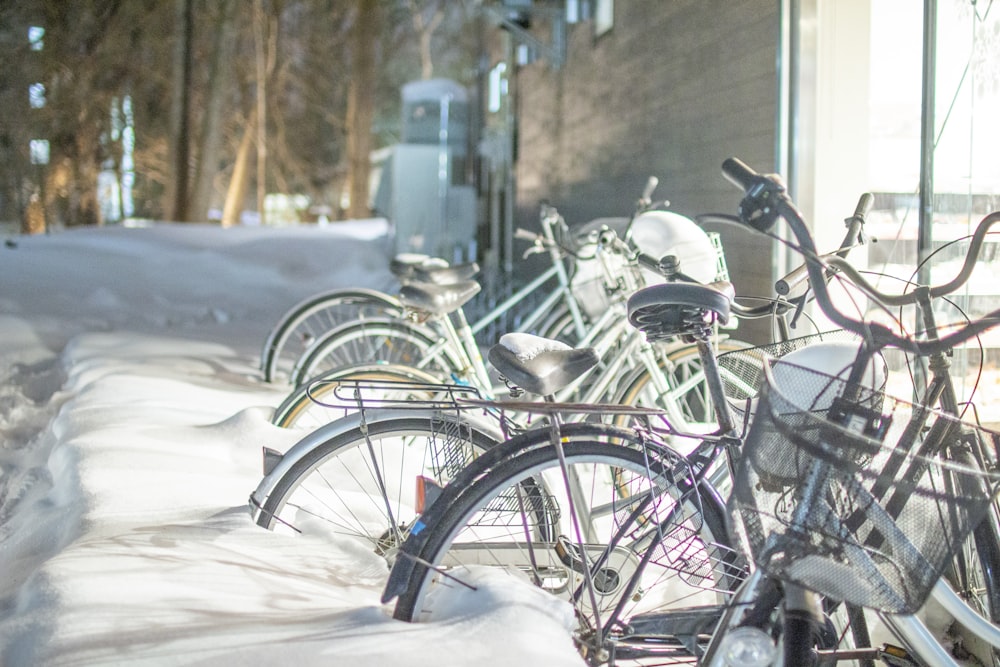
x,y
424,185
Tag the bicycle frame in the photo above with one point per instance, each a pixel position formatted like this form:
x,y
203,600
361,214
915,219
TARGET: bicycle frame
x,y
764,202
563,290
314,305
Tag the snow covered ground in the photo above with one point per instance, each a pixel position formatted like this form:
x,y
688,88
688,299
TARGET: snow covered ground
x,y
132,416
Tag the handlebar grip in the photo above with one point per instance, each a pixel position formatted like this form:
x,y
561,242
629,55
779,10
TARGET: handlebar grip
x,y
648,261
784,286
651,184
864,205
738,173
525,235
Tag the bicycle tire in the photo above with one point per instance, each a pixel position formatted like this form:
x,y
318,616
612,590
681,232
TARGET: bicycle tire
x,y
300,408
708,572
975,576
300,325
379,340
682,368
344,488
560,325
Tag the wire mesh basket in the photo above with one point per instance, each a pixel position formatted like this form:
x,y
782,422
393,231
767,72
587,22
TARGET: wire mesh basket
x,y
854,494
742,370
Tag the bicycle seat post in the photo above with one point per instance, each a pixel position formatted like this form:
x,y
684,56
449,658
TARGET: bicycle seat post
x,y
459,328
690,310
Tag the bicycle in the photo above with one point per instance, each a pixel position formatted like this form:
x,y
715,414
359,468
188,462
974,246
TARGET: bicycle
x,y
672,371
903,509
418,570
300,329
659,525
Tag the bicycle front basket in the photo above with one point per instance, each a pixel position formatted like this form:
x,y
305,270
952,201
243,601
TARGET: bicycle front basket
x,y
742,370
858,499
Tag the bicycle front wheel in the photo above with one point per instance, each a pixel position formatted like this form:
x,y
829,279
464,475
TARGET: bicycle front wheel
x,y
686,397
615,534
362,482
975,576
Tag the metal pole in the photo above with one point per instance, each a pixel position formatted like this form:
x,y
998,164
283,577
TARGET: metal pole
x,y
510,123
442,243
925,215
926,192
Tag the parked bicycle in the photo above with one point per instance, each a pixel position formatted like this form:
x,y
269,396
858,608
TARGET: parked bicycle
x,y
570,278
892,498
355,475
631,370
607,542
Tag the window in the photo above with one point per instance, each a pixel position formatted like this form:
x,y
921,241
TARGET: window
x,y
604,16
39,149
36,95
36,36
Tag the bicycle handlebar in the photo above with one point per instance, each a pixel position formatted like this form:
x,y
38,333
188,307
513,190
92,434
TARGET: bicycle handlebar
x,y
646,198
852,238
524,235
765,200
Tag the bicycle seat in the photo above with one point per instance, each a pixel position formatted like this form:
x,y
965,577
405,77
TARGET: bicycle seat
x,y
444,275
673,309
437,299
402,265
540,365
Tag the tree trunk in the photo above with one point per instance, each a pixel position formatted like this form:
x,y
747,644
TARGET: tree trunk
x,y
181,109
361,107
210,141
260,61
425,32
237,191
33,221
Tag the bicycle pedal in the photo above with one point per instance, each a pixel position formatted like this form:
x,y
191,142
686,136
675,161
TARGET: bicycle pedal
x,y
896,656
690,621
688,626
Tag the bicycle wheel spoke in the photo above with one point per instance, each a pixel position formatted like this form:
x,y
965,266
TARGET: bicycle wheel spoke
x,y
641,546
364,484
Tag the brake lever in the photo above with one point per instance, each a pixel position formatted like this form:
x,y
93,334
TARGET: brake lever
x,y
533,249
800,302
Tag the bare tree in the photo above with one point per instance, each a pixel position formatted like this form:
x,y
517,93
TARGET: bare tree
x,y
181,109
426,20
361,105
236,193
330,96
265,50
218,89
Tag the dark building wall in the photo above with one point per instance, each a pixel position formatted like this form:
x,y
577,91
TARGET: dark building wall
x,y
671,91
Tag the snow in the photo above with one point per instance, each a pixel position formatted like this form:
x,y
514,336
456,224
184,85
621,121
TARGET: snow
x,y
132,416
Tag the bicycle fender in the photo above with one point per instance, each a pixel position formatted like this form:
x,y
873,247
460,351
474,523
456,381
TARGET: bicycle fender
x,y
314,439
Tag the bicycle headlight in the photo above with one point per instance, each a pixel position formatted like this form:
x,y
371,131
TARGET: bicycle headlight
x,y
747,647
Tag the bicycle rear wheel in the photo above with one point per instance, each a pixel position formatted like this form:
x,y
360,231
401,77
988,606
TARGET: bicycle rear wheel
x,y
330,395
299,327
379,340
641,544
361,483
